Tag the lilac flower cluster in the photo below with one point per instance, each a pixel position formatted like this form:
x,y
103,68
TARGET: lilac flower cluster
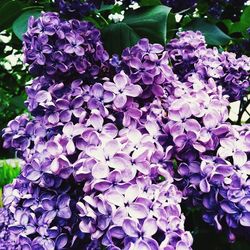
x,y
115,170
219,182
17,133
189,55
36,217
95,171
56,47
99,152
212,155
191,109
118,170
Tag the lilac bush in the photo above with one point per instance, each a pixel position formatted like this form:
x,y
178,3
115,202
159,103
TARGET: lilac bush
x,y
109,157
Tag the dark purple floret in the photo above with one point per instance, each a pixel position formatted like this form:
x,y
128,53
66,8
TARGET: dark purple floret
x,y
59,48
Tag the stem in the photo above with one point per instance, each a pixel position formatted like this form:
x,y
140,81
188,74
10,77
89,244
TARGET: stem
x,y
103,19
243,107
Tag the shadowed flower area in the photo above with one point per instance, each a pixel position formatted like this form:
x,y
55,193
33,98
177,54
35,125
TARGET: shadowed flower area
x,y
80,8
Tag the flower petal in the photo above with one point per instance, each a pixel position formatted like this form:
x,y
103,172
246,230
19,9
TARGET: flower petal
x,y
137,210
149,227
120,100
115,198
240,158
245,220
100,170
61,241
130,227
133,90
121,80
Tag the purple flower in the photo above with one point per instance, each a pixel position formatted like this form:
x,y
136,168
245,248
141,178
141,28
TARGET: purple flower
x,y
122,88
55,47
105,158
100,98
68,108
127,203
75,44
114,180
71,131
23,223
141,235
142,71
61,205
76,8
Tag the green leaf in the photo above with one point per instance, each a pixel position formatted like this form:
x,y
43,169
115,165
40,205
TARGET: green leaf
x,y
9,169
243,24
116,9
149,22
109,7
9,11
213,34
93,21
21,23
228,23
245,17
18,102
185,20
171,26
118,36
202,6
150,2
105,7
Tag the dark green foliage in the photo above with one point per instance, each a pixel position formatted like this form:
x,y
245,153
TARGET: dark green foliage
x,y
149,22
20,24
118,36
8,171
213,34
